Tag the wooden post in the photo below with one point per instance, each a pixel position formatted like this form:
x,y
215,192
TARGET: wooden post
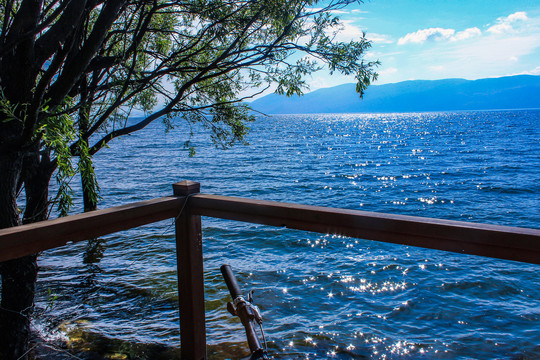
x,y
189,259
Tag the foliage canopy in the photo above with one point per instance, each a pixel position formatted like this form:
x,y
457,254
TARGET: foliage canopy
x,y
88,64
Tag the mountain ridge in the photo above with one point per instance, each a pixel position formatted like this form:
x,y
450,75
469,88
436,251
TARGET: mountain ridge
x,y
453,94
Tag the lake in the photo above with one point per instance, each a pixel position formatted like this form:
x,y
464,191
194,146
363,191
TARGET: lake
x,y
321,296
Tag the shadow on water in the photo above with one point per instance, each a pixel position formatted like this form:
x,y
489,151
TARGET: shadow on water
x,y
94,251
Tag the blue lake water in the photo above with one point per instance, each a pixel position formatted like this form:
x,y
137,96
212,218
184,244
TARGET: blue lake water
x,y
321,296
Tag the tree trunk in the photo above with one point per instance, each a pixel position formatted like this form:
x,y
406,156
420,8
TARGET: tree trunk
x,y
18,288
10,169
93,253
19,275
88,200
94,247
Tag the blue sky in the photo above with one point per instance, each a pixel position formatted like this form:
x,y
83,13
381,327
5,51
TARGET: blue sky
x,y
424,39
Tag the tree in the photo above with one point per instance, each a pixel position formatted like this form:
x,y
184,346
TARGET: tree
x,y
72,71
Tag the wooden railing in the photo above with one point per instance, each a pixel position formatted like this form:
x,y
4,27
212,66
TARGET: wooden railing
x,y
187,206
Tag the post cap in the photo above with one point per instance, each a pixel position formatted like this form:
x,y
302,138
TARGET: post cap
x,y
186,187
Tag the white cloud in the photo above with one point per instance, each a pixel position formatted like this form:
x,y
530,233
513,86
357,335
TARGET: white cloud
x,y
535,71
369,55
471,53
439,34
347,31
437,68
388,71
495,50
510,24
388,75
379,38
501,29
393,75
485,56
335,11
466,34
318,83
520,15
431,34
506,25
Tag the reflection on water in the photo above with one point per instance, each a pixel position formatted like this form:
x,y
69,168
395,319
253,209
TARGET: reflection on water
x,y
94,251
322,296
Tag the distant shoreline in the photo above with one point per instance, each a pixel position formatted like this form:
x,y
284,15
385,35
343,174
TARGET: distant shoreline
x,y
520,92
402,112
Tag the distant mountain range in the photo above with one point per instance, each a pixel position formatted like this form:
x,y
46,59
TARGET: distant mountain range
x,y
510,92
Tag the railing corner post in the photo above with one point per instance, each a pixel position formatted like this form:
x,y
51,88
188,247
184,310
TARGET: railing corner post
x,y
186,187
189,259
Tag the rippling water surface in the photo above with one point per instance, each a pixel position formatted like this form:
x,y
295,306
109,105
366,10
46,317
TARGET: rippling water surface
x,y
322,296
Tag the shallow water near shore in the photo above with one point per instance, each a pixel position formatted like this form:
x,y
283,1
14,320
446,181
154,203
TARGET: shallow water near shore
x,y
321,296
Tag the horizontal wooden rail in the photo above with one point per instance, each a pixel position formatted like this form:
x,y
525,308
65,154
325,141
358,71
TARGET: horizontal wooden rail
x,y
503,242
32,238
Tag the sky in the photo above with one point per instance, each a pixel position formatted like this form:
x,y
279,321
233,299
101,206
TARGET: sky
x,y
438,39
